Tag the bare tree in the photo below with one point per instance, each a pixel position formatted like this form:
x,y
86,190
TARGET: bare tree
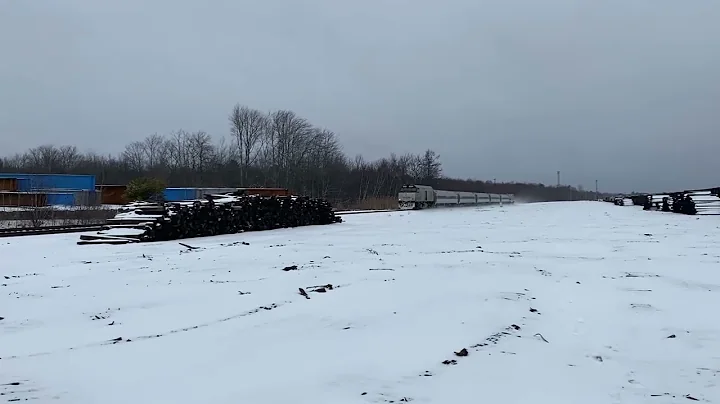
x,y
69,157
224,153
155,149
177,149
429,166
200,151
248,127
44,158
288,143
324,157
415,169
363,169
134,156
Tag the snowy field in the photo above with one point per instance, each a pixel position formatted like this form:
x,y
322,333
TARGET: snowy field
x,y
576,303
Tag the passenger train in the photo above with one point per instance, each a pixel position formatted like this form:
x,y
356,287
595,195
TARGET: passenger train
x,y
423,196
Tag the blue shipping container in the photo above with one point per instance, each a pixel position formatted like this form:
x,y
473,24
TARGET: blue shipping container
x,y
180,194
31,182
23,184
60,198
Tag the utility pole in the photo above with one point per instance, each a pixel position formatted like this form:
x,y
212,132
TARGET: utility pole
x,y
558,175
597,194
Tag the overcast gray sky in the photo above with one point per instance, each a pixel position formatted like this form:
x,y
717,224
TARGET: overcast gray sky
x,y
625,92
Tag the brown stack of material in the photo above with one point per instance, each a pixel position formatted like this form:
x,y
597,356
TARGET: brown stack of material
x,y
112,194
8,184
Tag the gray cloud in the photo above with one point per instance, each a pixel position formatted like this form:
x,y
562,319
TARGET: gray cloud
x,y
626,92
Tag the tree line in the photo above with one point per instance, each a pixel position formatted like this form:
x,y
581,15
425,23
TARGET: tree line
x,y
274,149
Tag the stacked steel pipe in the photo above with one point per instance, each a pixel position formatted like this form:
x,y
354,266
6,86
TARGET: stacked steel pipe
x,y
216,214
683,203
693,202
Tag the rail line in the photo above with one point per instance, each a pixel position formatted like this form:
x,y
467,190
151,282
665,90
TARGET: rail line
x,y
34,231
78,228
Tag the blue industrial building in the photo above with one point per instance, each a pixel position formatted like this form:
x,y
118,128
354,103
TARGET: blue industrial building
x,y
57,189
179,194
189,194
64,182
20,189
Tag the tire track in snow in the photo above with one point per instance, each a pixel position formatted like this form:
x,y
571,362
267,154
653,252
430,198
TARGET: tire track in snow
x,y
153,336
195,327
23,390
118,340
488,342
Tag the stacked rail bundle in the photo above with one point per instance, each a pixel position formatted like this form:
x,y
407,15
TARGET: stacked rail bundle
x,y
638,200
697,202
702,202
707,202
656,202
621,201
214,215
681,203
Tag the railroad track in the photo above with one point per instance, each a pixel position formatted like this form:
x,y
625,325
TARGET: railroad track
x,y
77,228
33,231
357,212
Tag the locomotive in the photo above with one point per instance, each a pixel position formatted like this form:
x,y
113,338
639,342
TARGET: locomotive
x,y
413,197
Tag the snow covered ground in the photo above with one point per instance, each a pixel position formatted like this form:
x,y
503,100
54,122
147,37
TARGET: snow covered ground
x,y
583,302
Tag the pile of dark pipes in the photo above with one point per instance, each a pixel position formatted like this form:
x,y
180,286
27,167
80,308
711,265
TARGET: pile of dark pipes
x,y
639,200
650,204
688,202
681,203
221,214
